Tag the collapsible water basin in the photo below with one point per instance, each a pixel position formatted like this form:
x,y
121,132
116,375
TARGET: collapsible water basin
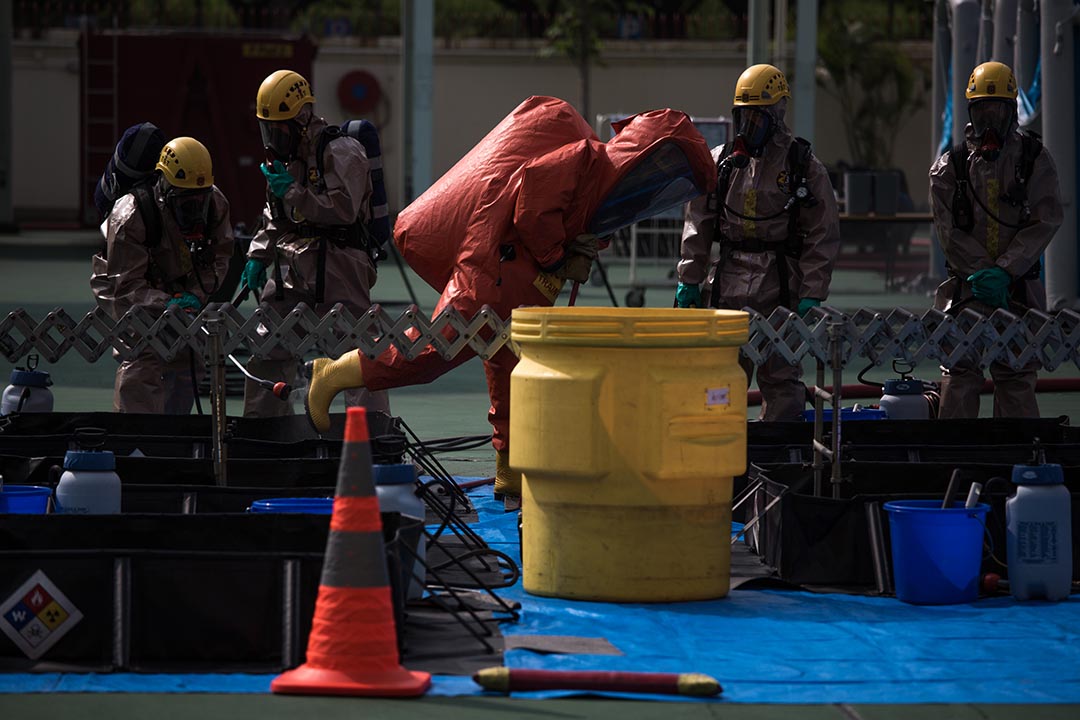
x,y
848,414
936,552
314,505
24,499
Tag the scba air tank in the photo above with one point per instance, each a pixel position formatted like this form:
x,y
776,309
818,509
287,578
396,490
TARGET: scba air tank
x,y
89,485
1039,533
28,392
903,399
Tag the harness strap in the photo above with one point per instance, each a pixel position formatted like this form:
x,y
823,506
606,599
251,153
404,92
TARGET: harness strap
x,y
279,283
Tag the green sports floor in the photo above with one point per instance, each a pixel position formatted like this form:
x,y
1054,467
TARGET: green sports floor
x,y
43,270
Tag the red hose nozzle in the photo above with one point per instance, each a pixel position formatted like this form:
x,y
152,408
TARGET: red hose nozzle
x,y
281,390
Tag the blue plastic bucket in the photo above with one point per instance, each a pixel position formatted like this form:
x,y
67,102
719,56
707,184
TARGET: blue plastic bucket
x,y
314,505
936,552
24,499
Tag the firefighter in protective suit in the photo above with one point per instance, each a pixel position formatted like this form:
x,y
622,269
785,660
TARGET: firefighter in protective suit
x,y
312,246
996,205
166,243
775,220
514,220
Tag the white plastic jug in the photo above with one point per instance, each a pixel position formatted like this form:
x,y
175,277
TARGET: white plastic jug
x,y
1038,519
395,488
903,399
89,485
28,392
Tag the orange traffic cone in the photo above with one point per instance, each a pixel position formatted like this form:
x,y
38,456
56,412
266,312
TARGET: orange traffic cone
x,y
352,648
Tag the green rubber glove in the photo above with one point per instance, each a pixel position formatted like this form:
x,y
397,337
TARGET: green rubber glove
x,y
185,301
687,296
805,306
993,297
278,178
254,275
991,286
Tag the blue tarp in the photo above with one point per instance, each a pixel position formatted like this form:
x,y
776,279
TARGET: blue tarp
x,y
764,646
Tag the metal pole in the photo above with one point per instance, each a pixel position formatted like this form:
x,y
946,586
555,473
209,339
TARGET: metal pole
x,y
805,68
779,32
7,216
819,429
965,38
1005,32
1026,50
1059,135
986,33
418,32
836,345
217,400
939,92
757,36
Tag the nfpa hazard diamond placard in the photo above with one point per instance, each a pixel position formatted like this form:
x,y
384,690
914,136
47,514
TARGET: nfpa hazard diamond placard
x,y
37,615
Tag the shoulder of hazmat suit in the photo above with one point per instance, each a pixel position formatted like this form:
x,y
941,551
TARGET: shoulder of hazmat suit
x,y
997,238
466,213
139,271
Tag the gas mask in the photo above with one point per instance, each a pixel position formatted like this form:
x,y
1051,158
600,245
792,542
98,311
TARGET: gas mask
x,y
191,210
753,128
281,138
991,121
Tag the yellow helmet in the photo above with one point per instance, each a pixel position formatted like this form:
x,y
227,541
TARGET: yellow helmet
x,y
760,85
991,80
281,95
185,163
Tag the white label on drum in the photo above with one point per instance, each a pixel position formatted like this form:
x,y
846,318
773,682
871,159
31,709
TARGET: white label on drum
x,y
717,396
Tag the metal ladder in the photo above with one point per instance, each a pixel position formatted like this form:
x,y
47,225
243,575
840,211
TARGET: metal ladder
x,y
100,110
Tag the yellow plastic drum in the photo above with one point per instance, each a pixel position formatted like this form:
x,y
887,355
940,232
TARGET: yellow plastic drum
x,y
628,425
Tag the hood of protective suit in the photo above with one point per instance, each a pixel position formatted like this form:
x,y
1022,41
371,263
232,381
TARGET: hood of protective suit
x,y
540,178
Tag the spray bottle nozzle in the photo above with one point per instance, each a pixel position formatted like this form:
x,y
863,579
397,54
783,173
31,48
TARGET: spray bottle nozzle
x,y
1038,453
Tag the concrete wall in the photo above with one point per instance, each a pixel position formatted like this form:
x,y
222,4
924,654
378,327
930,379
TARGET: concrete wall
x,y
476,85
45,128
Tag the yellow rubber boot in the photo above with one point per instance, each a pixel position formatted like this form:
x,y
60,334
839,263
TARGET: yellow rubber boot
x,y
326,378
507,481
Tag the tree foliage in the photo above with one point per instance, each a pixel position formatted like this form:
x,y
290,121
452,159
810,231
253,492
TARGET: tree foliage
x,y
875,82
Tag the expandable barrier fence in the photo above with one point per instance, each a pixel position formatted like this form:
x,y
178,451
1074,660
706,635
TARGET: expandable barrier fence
x,y
831,337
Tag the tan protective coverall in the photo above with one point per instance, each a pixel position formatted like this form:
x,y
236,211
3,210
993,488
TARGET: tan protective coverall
x,y
750,279
349,273
1016,250
124,280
